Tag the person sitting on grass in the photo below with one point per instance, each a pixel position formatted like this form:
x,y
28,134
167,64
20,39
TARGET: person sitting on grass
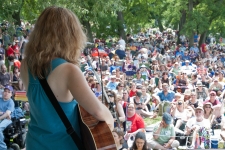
x,y
196,124
134,122
164,134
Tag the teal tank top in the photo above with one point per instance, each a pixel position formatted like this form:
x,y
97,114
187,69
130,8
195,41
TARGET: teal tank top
x,y
46,130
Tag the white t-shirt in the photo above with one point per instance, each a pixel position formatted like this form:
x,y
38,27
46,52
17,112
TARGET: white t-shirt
x,y
204,123
122,43
180,115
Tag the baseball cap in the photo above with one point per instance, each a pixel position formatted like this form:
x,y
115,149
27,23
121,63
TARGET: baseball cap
x,y
113,77
9,88
138,93
167,118
138,86
212,92
199,107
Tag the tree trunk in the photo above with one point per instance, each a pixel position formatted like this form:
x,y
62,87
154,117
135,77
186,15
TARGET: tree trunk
x,y
181,24
16,17
161,29
87,26
120,20
202,38
190,9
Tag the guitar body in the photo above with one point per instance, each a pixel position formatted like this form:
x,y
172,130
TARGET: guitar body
x,y
95,134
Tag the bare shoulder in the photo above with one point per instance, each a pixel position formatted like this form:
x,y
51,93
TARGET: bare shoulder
x,y
69,69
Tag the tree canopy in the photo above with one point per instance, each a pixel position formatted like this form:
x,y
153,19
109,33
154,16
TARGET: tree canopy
x,y
117,17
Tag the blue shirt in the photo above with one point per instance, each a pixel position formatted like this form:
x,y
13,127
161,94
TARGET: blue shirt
x,y
112,85
179,53
169,97
6,105
195,49
46,130
185,57
195,38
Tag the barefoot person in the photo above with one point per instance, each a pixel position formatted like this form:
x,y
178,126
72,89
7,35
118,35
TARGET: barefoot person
x,y
54,48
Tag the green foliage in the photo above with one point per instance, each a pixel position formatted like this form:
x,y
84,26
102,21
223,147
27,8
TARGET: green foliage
x,y
207,15
149,121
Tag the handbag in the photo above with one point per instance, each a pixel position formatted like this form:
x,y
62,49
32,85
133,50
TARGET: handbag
x,y
60,112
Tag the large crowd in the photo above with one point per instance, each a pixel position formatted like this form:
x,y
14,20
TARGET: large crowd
x,y
151,75
147,76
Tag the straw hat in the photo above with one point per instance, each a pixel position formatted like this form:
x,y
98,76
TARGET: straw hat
x,y
143,66
199,83
177,94
187,92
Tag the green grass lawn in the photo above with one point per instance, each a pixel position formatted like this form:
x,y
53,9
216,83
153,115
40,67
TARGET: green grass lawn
x,y
149,121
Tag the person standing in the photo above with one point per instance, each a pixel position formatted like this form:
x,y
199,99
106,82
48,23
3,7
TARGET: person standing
x,y
53,52
122,43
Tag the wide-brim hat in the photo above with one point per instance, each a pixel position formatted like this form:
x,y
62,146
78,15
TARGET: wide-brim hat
x,y
187,92
143,66
177,94
208,103
198,84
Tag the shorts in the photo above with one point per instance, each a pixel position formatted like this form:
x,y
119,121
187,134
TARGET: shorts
x,y
152,144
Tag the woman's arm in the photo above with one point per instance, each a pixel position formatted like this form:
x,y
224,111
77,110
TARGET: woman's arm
x,y
173,110
120,112
148,99
77,85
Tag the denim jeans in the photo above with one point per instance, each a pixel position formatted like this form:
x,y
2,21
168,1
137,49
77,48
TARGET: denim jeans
x,y
4,123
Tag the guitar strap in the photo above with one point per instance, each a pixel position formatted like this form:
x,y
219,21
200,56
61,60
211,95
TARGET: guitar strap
x,y
60,112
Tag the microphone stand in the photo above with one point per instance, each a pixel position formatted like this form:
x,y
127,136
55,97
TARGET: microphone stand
x,y
103,90
100,67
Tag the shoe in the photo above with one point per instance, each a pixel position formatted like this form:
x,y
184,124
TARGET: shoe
x,y
191,147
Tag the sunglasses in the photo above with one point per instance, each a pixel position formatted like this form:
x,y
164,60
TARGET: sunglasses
x,y
121,86
212,95
124,93
110,95
208,107
179,103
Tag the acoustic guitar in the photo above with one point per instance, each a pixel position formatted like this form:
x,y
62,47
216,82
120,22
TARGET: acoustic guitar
x,y
95,134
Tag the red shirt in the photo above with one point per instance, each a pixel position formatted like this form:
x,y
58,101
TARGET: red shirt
x,y
10,52
132,93
136,122
17,63
203,46
216,102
